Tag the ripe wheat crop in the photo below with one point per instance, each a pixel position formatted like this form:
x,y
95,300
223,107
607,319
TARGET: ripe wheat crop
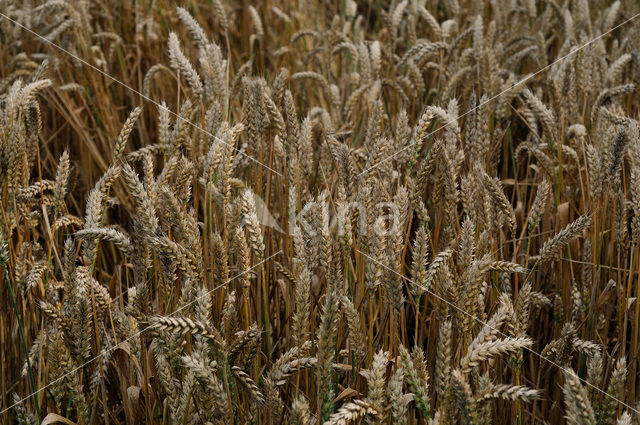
x,y
320,212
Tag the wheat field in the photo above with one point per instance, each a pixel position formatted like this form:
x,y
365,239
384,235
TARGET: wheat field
x,y
319,212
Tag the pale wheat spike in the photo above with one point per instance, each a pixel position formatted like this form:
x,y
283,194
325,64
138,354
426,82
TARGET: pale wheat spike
x,y
579,410
538,206
419,261
94,208
29,91
397,398
439,262
486,350
144,208
551,248
376,379
229,313
466,404
203,371
248,383
180,256
616,69
351,412
196,31
148,79
544,114
511,392
494,189
257,22
309,75
221,14
300,414
616,387
587,347
67,220
326,343
62,180
182,325
595,374
273,402
288,363
418,387
300,326
506,267
121,240
625,419
125,132
181,64
253,225
443,358
244,263
356,335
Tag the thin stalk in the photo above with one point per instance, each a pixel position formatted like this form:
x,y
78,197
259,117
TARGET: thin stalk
x,y
23,339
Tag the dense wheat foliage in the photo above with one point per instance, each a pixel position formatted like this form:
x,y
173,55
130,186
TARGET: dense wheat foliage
x,y
319,212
